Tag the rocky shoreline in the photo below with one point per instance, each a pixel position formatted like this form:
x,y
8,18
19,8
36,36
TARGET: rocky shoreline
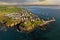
x,y
23,20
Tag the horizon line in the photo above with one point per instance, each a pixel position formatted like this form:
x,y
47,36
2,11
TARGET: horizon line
x,y
29,5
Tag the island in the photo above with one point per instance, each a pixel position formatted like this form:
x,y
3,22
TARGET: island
x,y
20,18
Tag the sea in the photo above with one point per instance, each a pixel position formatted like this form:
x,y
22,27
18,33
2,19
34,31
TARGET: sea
x,y
52,31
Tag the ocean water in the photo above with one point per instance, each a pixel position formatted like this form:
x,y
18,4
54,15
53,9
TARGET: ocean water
x,y
52,31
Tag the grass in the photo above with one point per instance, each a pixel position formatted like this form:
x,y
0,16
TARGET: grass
x,y
28,25
8,9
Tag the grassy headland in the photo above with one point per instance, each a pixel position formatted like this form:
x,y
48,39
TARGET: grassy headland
x,y
12,16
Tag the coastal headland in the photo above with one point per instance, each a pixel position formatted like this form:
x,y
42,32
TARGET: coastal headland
x,y
22,19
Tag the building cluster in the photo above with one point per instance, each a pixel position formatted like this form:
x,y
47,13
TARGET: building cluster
x,y
23,16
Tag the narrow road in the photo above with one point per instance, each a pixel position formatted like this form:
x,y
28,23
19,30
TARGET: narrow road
x,y
47,22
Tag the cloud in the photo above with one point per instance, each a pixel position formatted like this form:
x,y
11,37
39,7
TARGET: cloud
x,y
40,2
21,1
17,1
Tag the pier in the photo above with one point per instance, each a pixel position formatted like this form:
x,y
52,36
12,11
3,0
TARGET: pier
x,y
47,22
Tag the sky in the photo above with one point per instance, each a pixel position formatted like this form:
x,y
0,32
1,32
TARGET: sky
x,y
30,2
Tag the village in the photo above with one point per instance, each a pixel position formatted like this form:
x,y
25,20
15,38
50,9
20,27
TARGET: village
x,y
20,18
23,16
